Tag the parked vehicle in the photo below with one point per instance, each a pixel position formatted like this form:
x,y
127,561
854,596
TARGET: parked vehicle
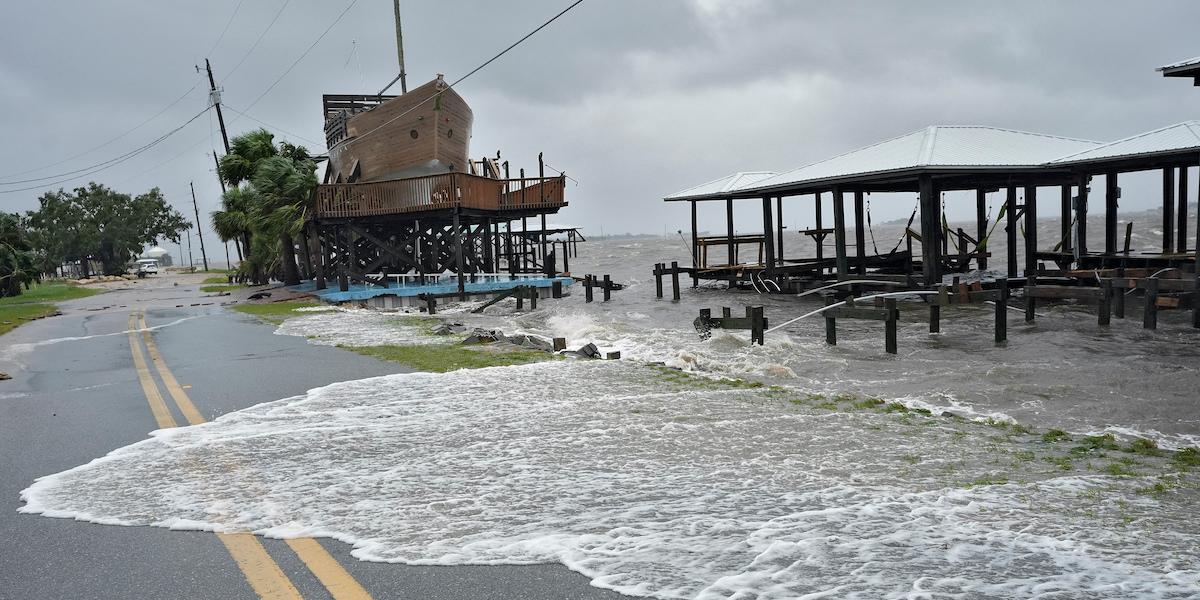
x,y
147,266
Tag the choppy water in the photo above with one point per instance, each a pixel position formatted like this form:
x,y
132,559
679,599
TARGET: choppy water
x,y
655,483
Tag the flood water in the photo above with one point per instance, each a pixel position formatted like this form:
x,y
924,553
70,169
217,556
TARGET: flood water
x,y
787,470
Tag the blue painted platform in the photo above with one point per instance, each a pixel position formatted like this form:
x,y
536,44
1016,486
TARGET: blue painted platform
x,y
405,289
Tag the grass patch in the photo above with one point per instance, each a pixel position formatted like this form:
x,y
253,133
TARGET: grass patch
x,y
868,403
895,407
275,312
218,278
1145,447
989,480
13,315
442,358
49,292
217,289
1188,457
1118,469
1063,463
1056,435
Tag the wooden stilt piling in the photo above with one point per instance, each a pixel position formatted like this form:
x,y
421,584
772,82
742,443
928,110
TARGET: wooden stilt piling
x,y
1150,314
1106,292
607,288
1002,310
935,318
533,297
674,281
556,289
658,285
1119,296
560,344
587,288
830,322
893,315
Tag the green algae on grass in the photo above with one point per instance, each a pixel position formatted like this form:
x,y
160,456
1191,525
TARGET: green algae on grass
x,y
440,358
275,312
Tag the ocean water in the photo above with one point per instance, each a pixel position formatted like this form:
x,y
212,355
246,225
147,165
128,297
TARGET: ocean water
x,y
810,475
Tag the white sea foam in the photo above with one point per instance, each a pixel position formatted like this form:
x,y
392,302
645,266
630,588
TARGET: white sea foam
x,y
359,327
647,487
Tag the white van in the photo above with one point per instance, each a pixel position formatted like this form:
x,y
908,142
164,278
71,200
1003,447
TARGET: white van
x,y
147,266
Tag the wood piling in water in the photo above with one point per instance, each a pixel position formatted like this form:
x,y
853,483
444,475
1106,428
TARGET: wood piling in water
x,y
1150,313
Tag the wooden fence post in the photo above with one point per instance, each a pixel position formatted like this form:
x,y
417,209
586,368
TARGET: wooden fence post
x,y
607,288
1002,310
830,322
675,280
893,314
1150,316
1106,292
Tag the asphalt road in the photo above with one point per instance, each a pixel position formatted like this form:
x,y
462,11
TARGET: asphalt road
x,y
74,400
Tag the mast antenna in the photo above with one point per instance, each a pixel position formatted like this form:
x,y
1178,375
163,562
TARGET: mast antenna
x,y
400,48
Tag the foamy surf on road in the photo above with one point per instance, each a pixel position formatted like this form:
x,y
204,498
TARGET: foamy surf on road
x,y
654,483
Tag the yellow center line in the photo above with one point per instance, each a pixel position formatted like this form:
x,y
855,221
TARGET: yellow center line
x,y
261,571
162,414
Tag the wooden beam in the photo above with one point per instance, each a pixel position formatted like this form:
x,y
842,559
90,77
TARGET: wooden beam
x,y
1081,203
931,259
1181,235
981,226
819,225
779,229
839,232
695,235
1111,189
729,229
768,239
1030,232
1010,230
1168,210
1066,219
860,240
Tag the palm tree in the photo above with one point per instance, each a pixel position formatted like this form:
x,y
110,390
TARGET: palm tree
x,y
285,184
235,220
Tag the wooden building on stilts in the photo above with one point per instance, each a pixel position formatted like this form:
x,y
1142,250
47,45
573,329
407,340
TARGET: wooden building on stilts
x,y
404,212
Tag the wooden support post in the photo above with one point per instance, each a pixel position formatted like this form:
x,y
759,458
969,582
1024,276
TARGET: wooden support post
x,y
981,228
1119,297
820,239
607,288
556,289
658,285
675,281
1030,300
757,324
963,258
533,297
931,259
778,231
889,325
839,233
345,258
430,304
830,322
768,237
1150,314
1065,236
935,318
1128,238
566,255
520,298
459,262
729,247
320,262
1081,206
1105,310
1196,262
1001,310
860,233
695,246
1181,214
1168,209
560,344
1010,230
1031,232
1110,213
587,288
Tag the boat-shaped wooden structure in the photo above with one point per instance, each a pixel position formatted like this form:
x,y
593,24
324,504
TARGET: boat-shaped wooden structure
x,y
402,196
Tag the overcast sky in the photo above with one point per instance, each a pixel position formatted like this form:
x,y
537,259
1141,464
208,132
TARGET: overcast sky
x,y
634,99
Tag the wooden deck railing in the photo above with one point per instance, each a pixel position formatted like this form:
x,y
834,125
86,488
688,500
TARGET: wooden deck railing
x,y
432,192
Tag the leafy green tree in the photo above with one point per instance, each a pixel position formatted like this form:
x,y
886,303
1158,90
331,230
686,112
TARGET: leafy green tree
x,y
265,209
98,223
18,264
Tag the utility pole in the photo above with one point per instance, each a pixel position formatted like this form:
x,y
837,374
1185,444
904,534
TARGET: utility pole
x,y
216,162
196,208
399,51
214,97
191,261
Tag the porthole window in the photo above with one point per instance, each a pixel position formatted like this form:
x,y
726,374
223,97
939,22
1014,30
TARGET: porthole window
x,y
413,134
449,133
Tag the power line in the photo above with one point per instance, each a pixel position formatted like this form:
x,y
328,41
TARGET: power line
x,y
464,77
112,162
305,53
226,29
105,144
260,38
270,126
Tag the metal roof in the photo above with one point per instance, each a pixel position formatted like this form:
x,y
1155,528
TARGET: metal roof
x,y
931,148
720,186
1180,137
1183,64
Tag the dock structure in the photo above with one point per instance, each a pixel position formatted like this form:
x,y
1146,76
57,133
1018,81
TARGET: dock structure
x,y
946,164
403,206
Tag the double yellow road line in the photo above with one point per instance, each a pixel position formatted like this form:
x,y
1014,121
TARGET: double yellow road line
x,y
261,571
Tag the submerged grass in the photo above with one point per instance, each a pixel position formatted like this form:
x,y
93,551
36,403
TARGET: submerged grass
x,y
275,312
36,302
440,358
